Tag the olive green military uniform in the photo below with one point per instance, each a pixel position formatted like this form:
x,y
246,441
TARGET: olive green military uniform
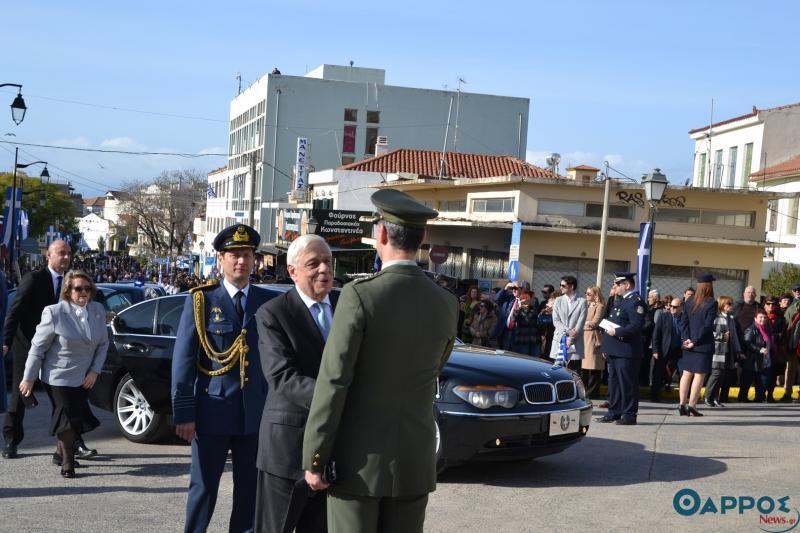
x,y
372,411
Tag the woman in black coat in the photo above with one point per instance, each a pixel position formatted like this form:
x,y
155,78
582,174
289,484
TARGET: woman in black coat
x,y
697,334
760,349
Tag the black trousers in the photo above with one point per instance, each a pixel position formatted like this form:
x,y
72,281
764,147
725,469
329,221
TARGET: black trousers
x,y
660,371
273,496
591,379
623,386
13,432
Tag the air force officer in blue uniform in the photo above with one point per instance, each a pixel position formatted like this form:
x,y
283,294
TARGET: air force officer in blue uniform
x,y
622,346
218,389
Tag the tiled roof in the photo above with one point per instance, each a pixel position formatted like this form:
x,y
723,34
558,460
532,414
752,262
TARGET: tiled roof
x,y
790,167
425,163
753,113
98,201
584,167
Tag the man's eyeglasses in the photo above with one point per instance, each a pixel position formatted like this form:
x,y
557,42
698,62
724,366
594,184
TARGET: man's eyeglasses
x,y
676,306
563,285
82,288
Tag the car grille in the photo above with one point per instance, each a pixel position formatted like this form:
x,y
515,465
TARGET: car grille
x,y
566,391
539,393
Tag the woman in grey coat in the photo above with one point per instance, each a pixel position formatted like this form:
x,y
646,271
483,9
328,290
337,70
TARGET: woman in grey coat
x,y
569,315
67,353
727,351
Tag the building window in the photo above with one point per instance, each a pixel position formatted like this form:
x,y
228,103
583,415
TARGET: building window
x,y
741,219
748,162
486,264
772,207
351,115
373,117
732,154
453,206
717,169
701,171
614,211
580,209
372,138
454,264
493,205
349,139
550,268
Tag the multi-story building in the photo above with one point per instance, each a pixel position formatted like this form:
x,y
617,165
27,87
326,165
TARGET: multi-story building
x,y
343,112
758,150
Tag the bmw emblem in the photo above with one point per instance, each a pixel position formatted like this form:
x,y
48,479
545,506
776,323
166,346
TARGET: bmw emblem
x,y
564,422
545,374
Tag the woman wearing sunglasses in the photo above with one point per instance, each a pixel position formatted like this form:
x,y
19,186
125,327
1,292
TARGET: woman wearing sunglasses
x,y
67,353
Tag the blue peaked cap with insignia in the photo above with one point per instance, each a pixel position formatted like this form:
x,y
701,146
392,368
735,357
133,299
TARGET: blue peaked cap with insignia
x,y
237,236
619,277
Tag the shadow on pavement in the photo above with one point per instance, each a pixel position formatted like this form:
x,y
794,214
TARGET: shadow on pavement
x,y
597,462
73,488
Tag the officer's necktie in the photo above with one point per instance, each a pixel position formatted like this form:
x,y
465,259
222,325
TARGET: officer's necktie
x,y
322,319
238,305
58,287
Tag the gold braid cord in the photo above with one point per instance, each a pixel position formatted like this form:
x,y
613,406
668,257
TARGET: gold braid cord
x,y
227,359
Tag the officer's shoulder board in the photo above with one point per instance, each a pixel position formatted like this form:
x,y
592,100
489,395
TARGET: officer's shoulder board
x,y
210,285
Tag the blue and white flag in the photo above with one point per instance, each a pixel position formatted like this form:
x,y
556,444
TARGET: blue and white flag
x,y
211,192
23,224
643,256
51,235
7,222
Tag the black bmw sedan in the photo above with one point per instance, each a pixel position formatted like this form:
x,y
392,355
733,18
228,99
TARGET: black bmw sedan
x,y
489,405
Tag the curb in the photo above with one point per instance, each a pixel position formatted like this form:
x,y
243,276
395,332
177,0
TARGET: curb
x,y
733,393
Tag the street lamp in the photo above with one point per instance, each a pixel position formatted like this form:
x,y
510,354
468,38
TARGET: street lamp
x,y
655,185
18,107
312,225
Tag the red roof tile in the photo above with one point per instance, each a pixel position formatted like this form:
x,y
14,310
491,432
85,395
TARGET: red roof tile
x,y
584,167
425,163
790,167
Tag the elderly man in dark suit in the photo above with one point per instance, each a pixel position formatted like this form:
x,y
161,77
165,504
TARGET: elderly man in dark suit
x,y
36,291
666,345
292,330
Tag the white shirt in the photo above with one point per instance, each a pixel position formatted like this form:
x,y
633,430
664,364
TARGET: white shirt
x,y
407,262
83,318
233,289
54,275
310,302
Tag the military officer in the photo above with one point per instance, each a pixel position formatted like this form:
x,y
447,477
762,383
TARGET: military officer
x,y
622,346
218,388
371,414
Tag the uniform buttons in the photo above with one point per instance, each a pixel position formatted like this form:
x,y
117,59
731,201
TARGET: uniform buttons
x,y
315,463
206,389
247,363
316,456
247,379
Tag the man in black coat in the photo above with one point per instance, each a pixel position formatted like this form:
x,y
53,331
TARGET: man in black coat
x,y
666,345
37,290
292,330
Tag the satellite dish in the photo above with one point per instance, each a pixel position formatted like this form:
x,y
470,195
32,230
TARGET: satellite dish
x,y
556,158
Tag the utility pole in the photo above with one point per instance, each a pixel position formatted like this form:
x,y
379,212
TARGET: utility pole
x,y
601,255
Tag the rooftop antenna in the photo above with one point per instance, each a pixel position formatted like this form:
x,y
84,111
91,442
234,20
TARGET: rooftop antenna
x,y
239,78
446,132
458,107
552,162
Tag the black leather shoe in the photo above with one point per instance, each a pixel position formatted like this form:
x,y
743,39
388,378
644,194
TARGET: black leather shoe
x,y
682,410
606,419
82,452
69,474
626,422
10,451
692,411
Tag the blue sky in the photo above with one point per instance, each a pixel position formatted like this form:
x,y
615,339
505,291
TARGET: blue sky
x,y
617,81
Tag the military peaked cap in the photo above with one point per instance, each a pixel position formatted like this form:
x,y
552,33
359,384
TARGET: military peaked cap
x,y
237,236
619,277
400,208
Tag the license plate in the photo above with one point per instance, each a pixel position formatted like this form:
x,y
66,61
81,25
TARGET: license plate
x,y
565,423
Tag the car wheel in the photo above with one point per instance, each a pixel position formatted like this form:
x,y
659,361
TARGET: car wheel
x,y
441,463
134,417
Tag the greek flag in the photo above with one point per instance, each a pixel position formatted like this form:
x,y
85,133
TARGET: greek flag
x,y
51,235
643,252
23,224
210,191
7,222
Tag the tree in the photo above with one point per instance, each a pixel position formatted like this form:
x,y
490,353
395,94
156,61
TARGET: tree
x,y
45,203
101,244
780,279
165,208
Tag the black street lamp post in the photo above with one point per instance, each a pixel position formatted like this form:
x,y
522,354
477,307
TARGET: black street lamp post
x,y
18,107
655,185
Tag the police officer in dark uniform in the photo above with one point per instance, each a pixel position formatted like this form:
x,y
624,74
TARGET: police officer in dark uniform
x,y
622,346
218,388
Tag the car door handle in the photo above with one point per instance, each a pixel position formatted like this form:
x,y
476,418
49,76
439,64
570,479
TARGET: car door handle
x,y
135,347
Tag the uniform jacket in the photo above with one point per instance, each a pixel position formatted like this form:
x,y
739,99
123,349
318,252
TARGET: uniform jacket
x,y
290,346
35,291
60,348
698,325
218,404
563,321
372,410
628,313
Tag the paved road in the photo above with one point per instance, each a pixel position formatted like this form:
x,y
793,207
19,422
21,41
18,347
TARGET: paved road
x,y
618,479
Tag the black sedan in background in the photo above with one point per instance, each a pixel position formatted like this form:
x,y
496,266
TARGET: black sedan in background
x,y
489,405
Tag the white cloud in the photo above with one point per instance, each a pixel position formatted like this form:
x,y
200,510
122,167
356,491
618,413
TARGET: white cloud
x,y
122,143
74,142
212,150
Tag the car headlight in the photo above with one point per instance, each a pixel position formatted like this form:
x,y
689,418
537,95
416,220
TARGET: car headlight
x,y
486,396
579,386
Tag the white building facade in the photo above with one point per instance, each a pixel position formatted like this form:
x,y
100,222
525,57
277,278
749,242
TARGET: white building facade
x,y
758,150
342,111
93,228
